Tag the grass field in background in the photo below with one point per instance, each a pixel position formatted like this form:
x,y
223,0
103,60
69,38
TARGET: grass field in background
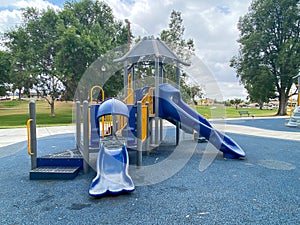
x,y
216,112
16,113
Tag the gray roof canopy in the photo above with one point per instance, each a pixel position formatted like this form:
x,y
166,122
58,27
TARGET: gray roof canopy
x,y
148,49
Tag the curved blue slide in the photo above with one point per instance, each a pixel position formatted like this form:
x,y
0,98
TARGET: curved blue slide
x,y
173,109
113,161
112,172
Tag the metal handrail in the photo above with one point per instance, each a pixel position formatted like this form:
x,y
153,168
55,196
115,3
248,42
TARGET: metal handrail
x,y
91,93
28,137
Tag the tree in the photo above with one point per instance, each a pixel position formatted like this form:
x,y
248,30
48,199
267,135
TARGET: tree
x,y
19,56
32,47
174,37
47,80
269,49
87,30
236,102
196,91
4,71
261,88
184,49
52,49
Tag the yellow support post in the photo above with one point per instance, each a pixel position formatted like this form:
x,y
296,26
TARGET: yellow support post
x,y
144,122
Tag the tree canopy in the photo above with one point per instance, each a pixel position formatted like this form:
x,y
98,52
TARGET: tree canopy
x,y
51,50
173,36
4,71
269,49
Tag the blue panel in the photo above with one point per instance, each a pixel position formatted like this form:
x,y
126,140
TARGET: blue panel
x,y
95,133
132,125
60,162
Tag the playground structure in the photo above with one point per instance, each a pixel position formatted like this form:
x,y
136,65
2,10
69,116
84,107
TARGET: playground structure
x,y
111,126
294,120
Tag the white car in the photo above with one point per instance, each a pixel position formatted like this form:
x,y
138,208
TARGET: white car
x,y
295,118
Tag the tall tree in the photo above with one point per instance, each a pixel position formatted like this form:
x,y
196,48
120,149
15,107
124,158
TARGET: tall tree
x,y
88,30
41,26
18,50
4,71
261,88
184,49
174,37
269,49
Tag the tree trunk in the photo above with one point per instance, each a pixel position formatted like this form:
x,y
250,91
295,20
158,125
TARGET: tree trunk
x,y
282,104
19,94
52,109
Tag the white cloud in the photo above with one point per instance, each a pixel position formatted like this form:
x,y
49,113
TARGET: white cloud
x,y
40,4
231,90
11,15
9,19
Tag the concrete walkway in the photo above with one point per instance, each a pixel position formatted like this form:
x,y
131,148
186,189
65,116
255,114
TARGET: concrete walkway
x,y
15,135
12,136
253,131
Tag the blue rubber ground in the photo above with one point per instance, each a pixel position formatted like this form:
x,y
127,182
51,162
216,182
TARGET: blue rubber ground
x,y
264,188
269,124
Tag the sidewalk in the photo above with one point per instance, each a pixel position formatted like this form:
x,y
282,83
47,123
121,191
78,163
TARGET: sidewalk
x,y
15,135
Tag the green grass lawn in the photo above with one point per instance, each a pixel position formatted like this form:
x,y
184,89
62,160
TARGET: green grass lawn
x,y
231,112
16,113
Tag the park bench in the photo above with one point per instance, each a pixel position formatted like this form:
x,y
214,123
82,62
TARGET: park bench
x,y
244,112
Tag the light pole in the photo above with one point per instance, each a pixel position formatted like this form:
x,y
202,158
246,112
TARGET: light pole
x,y
128,34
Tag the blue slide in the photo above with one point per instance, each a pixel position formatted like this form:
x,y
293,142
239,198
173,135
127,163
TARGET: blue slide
x,y
173,109
113,161
112,172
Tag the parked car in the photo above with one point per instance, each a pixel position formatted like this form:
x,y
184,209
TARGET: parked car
x,y
295,118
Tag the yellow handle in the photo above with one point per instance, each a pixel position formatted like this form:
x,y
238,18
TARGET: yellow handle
x,y
91,100
28,137
91,93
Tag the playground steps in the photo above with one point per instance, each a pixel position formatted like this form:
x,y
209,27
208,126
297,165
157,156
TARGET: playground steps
x,y
62,165
54,173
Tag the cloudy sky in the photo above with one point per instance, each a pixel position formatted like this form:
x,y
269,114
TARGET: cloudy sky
x,y
212,24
